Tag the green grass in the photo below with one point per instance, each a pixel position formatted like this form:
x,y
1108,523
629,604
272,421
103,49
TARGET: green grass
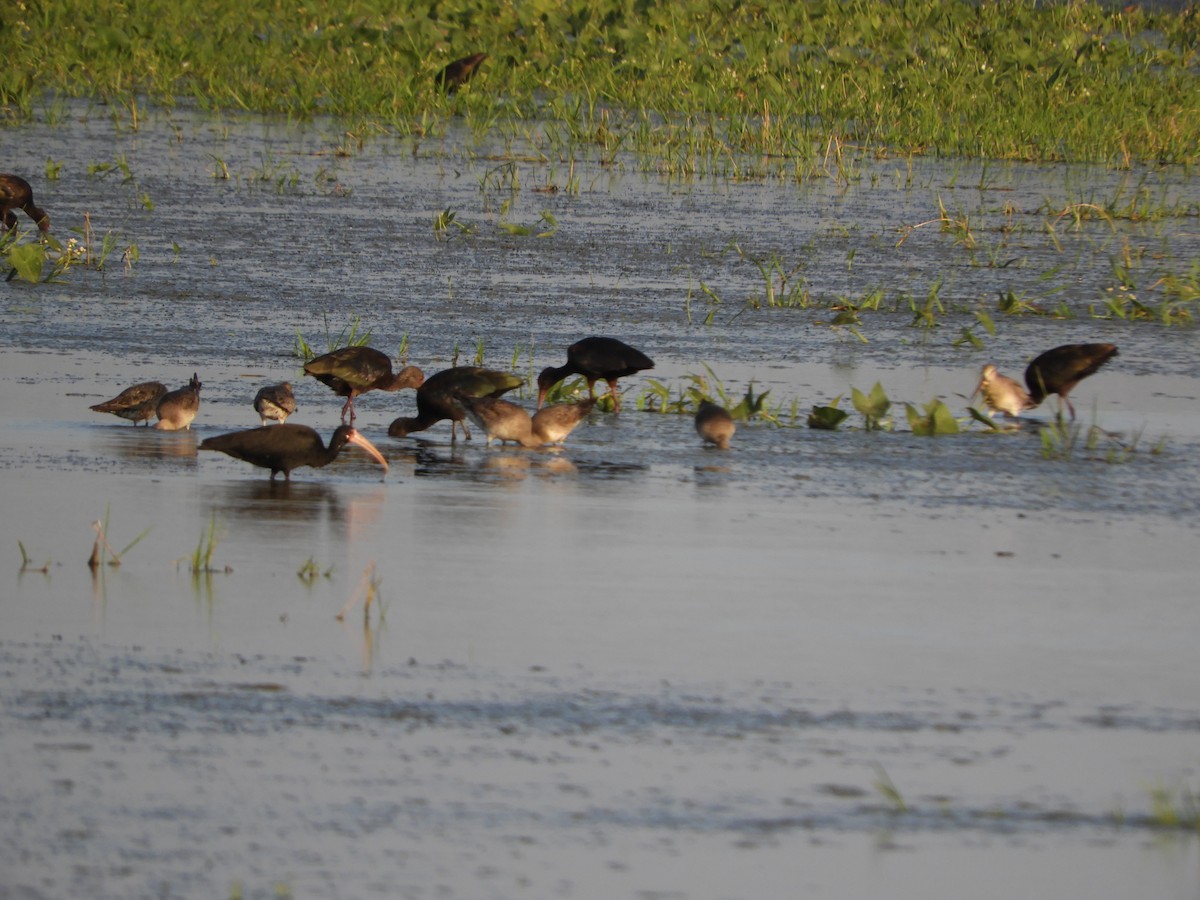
x,y
727,88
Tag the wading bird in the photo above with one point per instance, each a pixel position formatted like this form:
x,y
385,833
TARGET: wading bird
x,y
352,371
505,421
459,72
178,408
439,397
15,193
1056,371
284,447
137,403
275,401
714,424
595,358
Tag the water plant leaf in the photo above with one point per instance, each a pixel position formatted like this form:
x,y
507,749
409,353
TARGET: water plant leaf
x,y
827,418
873,406
28,261
936,419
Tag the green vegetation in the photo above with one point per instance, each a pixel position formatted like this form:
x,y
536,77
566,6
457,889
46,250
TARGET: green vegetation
x,y
724,88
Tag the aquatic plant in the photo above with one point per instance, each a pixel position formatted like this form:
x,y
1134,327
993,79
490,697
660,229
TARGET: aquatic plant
x,y
1175,808
310,571
873,407
1017,80
202,556
28,565
349,336
888,790
934,420
101,544
827,418
366,592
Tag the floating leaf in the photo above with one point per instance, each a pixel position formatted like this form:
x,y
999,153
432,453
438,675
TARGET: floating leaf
x,y
827,418
937,419
27,260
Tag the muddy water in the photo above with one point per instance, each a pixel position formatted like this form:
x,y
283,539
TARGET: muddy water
x,y
633,668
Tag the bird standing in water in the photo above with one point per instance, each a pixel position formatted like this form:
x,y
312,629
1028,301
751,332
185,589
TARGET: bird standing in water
x,y
178,408
137,403
352,371
505,421
1056,371
440,397
15,193
595,358
275,402
714,424
284,447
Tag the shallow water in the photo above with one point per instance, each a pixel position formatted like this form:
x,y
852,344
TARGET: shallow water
x,y
633,668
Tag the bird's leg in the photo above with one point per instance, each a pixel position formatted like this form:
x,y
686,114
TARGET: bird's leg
x,y
612,390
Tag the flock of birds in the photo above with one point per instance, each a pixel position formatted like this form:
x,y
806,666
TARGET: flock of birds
x,y
475,393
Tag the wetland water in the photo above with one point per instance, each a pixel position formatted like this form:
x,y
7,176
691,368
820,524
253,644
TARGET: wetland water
x,y
633,668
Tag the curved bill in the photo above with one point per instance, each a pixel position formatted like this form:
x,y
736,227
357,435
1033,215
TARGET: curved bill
x,y
356,438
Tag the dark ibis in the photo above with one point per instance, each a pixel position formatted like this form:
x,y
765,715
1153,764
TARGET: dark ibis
x,y
459,72
275,402
714,424
595,358
352,371
137,403
438,397
15,193
1057,371
176,409
284,447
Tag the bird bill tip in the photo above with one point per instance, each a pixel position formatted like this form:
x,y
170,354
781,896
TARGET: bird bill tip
x,y
371,449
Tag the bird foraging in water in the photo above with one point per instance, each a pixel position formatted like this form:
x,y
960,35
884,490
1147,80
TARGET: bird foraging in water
x,y
178,408
714,424
1057,371
1001,393
284,447
352,371
595,358
505,421
275,402
137,403
15,193
459,72
440,397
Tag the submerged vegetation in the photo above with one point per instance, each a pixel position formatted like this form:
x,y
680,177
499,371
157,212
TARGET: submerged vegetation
x,y
696,87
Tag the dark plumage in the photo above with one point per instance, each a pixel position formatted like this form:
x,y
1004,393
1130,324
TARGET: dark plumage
x,y
275,401
137,403
352,371
15,193
178,408
284,447
595,358
459,72
1057,371
438,397
714,424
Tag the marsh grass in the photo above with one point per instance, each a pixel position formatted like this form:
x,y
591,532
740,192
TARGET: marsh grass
x,y
28,565
688,88
366,592
201,560
310,572
101,544
352,335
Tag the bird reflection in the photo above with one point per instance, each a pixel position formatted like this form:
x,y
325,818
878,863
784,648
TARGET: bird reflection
x,y
146,444
261,499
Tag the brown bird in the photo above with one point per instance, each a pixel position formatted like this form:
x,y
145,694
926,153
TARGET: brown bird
x,y
505,421
284,447
552,424
1001,393
459,72
1057,371
15,193
714,424
275,401
137,403
352,371
439,397
595,358
176,409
